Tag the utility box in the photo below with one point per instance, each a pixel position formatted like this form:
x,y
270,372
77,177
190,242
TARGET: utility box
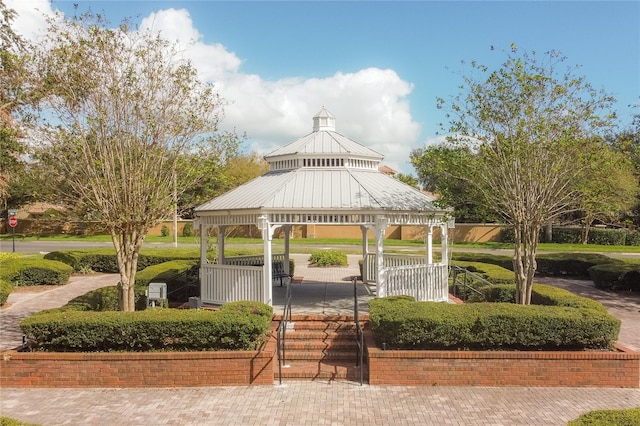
x,y
195,303
156,292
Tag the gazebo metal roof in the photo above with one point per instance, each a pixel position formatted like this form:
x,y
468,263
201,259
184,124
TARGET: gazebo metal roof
x,y
323,171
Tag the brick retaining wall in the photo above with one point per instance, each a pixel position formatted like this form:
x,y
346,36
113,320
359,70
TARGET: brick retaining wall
x,y
138,370
503,368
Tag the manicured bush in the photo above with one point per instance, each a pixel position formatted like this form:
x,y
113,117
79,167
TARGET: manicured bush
x,y
164,231
328,258
104,259
568,264
230,328
624,417
632,239
494,259
493,273
31,271
187,230
5,290
6,421
618,274
567,235
607,237
404,324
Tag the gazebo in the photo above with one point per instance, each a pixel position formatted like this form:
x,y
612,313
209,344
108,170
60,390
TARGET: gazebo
x,y
323,178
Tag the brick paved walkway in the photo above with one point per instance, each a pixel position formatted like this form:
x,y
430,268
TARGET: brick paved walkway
x,y
310,403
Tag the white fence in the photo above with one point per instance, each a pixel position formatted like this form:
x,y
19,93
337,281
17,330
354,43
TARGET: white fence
x,y
227,283
423,282
239,278
370,271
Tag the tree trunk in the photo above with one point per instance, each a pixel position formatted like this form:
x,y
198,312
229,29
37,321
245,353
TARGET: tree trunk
x,y
524,260
548,232
127,244
586,227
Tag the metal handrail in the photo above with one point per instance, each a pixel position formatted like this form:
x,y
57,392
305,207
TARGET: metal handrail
x,y
457,270
282,330
359,333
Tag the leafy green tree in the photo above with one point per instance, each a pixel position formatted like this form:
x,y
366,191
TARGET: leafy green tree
x,y
627,143
607,188
526,123
126,107
408,179
440,170
12,98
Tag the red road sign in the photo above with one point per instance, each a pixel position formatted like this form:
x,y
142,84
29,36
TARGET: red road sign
x,y
13,221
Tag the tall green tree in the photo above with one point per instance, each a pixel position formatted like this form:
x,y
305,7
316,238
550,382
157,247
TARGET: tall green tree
x,y
607,188
627,143
125,107
442,169
526,123
13,94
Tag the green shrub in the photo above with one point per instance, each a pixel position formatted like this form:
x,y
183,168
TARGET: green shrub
x,y
567,235
164,231
5,290
5,256
230,328
187,230
568,264
494,259
30,271
618,274
6,421
493,273
328,258
633,238
104,259
607,237
403,324
624,417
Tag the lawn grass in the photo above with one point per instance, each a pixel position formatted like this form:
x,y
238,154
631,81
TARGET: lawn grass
x,y
356,242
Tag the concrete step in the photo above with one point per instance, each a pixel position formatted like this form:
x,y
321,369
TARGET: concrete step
x,y
325,370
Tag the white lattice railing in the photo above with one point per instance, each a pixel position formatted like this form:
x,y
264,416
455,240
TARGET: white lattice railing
x,y
423,282
227,283
251,260
370,270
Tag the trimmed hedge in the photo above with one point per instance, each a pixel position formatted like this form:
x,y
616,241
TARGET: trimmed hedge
x,y
573,235
493,273
104,259
29,271
616,275
101,299
503,261
235,326
328,258
624,417
5,290
568,264
401,323
7,421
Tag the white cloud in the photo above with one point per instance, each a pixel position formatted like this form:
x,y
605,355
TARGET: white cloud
x,y
370,105
30,21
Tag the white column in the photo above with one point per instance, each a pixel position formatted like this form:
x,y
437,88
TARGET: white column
x,y
381,225
204,243
444,243
287,231
267,235
365,250
221,236
429,244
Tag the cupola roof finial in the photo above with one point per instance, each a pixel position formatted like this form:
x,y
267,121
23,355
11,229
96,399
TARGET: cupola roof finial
x,y
324,120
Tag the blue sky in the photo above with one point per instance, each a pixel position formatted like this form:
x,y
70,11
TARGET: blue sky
x,y
378,66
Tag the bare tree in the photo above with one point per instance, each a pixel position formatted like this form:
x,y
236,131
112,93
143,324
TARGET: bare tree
x,y
526,122
122,106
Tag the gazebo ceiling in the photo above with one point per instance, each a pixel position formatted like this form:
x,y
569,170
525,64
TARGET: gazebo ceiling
x,y
323,171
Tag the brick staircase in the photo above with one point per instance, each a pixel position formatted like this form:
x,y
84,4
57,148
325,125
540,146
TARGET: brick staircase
x,y
321,347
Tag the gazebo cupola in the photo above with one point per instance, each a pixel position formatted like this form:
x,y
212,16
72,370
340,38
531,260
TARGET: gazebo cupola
x,y
324,148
